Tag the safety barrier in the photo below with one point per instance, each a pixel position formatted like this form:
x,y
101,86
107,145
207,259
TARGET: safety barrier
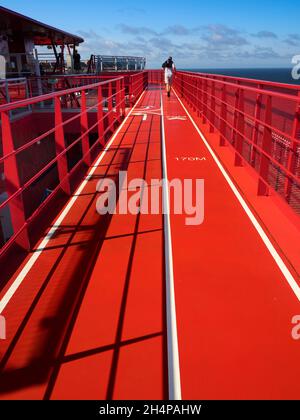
x,y
137,84
155,77
134,83
261,123
41,155
259,84
12,90
61,132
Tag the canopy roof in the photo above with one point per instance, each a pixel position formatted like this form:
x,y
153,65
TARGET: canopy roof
x,y
41,33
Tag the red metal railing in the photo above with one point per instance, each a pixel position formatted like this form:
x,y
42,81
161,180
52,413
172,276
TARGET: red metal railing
x,y
261,124
134,83
12,90
137,84
63,142
255,83
155,77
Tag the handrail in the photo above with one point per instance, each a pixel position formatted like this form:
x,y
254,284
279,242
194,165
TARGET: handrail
x,y
31,101
249,88
261,125
246,80
107,98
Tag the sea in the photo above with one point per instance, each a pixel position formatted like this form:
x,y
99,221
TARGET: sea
x,y
280,75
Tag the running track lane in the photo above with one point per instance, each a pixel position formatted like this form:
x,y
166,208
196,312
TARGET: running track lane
x,y
234,306
88,321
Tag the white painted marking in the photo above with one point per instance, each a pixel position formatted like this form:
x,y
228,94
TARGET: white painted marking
x,y
279,261
28,266
147,107
138,114
180,118
173,352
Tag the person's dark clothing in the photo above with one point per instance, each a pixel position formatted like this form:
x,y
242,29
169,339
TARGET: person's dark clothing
x,y
168,64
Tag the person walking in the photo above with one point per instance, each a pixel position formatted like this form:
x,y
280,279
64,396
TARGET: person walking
x,y
169,68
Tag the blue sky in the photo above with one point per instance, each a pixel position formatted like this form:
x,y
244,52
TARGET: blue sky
x,y
210,33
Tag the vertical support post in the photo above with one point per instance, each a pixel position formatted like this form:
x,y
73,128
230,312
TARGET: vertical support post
x,y
84,128
213,108
118,100
130,91
62,162
100,117
295,146
200,96
204,101
223,117
257,116
194,93
182,86
123,105
13,184
110,105
263,189
197,96
239,128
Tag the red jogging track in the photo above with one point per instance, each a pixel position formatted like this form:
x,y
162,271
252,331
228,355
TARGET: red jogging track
x,y
88,320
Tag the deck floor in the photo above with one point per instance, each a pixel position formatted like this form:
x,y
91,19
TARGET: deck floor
x,y
88,320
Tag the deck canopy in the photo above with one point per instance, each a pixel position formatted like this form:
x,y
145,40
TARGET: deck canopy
x,y
40,33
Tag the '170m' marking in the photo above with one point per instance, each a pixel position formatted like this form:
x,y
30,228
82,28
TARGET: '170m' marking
x,y
190,159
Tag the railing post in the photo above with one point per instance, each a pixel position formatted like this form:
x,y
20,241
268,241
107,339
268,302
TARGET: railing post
x,y
62,162
213,108
194,94
197,96
84,128
12,182
182,86
239,128
110,105
223,117
118,100
130,91
123,105
263,189
200,96
100,116
257,116
205,96
295,147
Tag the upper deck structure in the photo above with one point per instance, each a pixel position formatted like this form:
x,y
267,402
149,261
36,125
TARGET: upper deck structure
x,y
19,37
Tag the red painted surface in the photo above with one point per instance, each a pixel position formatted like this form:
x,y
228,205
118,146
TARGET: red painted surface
x,y
234,307
260,121
96,294
88,321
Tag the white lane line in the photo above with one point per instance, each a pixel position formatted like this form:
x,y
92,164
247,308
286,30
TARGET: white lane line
x,y
173,352
28,266
279,261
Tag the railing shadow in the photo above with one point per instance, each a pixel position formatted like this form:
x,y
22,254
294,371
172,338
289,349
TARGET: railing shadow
x,y
50,343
